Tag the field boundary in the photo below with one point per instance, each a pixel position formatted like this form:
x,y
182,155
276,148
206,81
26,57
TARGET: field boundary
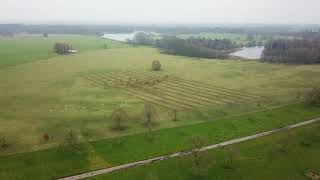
x,y
187,152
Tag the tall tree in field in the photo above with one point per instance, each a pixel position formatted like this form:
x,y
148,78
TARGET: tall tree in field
x,y
198,157
149,116
231,155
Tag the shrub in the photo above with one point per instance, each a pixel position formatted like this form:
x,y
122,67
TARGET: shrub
x,y
156,65
44,138
3,143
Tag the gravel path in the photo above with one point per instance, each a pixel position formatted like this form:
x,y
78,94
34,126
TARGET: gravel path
x,y
183,153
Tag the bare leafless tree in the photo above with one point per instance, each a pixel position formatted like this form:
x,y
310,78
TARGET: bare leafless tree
x,y
149,116
71,139
284,142
231,155
198,157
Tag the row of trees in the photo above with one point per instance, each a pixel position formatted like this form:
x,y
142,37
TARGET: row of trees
x,y
297,51
143,38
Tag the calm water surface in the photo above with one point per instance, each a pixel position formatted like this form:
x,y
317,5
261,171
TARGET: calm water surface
x,y
249,52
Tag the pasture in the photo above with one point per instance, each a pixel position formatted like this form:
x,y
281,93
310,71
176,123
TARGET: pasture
x,y
55,95
28,48
44,93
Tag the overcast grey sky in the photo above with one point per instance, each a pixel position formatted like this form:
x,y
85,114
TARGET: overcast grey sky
x,y
164,11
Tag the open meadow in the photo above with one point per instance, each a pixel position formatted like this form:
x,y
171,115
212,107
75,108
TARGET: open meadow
x,y
23,48
64,93
44,93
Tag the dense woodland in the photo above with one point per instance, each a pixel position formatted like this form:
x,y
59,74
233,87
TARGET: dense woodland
x,y
297,51
194,47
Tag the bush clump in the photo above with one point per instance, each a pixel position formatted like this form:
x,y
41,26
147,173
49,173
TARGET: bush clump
x,y
3,143
44,138
312,98
156,65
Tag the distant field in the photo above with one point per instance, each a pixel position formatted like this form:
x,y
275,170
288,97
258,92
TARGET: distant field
x,y
27,48
258,159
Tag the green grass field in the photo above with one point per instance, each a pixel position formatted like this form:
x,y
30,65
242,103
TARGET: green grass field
x,y
63,160
53,96
28,48
259,159
45,93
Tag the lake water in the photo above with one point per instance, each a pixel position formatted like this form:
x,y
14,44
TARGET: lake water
x,y
249,52
124,37
119,37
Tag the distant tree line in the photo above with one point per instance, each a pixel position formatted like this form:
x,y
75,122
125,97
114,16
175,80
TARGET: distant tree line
x,y
173,30
143,38
295,51
196,47
218,44
254,40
